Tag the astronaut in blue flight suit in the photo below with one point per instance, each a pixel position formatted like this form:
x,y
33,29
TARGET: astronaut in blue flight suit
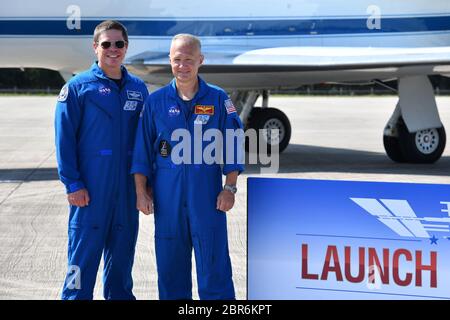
x,y
95,122
188,197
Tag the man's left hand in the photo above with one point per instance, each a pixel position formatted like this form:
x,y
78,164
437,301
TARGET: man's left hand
x,y
225,200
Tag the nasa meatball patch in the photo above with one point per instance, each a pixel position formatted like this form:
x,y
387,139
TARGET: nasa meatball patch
x,y
63,93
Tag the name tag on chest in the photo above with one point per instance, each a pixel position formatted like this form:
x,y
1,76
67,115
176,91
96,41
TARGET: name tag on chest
x,y
130,105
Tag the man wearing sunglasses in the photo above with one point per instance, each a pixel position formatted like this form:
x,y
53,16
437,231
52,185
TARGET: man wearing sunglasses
x,y
95,121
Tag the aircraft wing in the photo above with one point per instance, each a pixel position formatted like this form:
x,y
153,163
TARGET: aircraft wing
x,y
311,58
290,67
343,57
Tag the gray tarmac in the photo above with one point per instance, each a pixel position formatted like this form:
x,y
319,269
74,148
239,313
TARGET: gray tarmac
x,y
337,138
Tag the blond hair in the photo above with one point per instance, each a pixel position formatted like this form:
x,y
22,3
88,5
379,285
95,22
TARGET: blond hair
x,y
188,39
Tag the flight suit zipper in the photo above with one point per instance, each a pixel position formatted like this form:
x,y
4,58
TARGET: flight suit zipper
x,y
117,154
187,118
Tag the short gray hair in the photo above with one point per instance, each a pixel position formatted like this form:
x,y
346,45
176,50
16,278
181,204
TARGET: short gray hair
x,y
188,39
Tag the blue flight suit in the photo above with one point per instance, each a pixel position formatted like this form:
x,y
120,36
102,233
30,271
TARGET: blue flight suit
x,y
95,125
185,195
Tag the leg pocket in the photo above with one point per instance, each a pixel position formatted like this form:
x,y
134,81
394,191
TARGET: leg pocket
x,y
204,251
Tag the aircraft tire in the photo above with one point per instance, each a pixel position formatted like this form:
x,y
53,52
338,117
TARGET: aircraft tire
x,y
424,146
393,149
270,118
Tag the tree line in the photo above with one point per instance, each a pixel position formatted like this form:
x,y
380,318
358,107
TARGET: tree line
x,y
34,78
30,78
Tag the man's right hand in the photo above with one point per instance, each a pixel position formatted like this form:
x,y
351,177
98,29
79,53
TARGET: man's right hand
x,y
144,201
79,198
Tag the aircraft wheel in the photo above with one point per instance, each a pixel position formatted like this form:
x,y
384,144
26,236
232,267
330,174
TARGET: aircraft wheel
x,y
424,146
271,118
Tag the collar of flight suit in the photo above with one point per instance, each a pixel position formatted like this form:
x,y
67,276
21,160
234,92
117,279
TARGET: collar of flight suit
x,y
202,89
98,72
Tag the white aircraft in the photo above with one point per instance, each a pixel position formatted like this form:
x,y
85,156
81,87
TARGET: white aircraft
x,y
253,46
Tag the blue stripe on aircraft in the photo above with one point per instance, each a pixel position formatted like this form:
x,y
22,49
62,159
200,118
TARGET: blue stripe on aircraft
x,y
278,27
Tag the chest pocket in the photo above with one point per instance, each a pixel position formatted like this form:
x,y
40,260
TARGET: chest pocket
x,y
131,110
165,124
206,121
101,105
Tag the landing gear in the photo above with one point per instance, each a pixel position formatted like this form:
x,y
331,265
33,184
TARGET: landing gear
x,y
414,133
271,118
263,118
423,146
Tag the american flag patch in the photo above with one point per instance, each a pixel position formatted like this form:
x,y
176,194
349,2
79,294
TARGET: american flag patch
x,y
229,106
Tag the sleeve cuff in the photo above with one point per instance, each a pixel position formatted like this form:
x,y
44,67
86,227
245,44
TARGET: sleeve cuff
x,y
73,187
230,168
142,169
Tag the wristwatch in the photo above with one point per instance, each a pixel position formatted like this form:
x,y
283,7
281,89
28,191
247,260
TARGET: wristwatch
x,y
231,188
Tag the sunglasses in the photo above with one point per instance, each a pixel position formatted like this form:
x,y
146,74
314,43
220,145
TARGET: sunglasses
x,y
118,44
